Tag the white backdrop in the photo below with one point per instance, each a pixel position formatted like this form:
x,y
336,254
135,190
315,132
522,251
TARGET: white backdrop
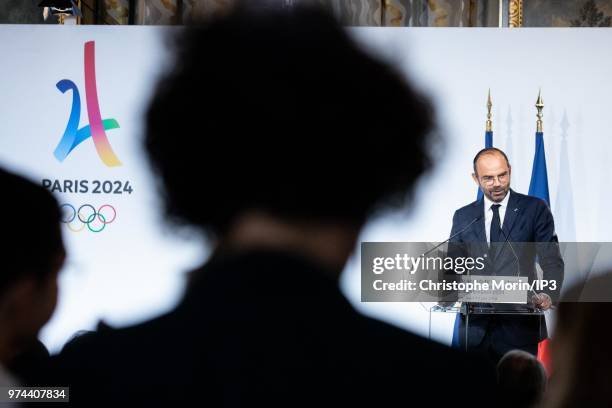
x,y
112,275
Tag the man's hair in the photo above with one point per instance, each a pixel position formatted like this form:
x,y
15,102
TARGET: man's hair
x,y
521,378
31,228
489,150
281,112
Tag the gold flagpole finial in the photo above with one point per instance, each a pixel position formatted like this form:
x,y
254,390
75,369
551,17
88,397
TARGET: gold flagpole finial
x,y
489,106
539,106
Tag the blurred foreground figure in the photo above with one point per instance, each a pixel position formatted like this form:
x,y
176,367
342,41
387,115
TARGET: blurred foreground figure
x,y
32,255
277,137
521,378
581,358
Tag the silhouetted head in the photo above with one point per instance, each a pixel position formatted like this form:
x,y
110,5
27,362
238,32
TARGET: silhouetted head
x,y
521,378
281,113
32,255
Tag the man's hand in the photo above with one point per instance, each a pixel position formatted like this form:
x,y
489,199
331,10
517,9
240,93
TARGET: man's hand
x,y
542,301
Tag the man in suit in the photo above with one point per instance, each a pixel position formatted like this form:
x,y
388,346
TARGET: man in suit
x,y
509,230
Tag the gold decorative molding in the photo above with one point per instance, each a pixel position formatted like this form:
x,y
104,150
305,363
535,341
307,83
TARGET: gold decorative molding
x,y
472,14
515,13
392,13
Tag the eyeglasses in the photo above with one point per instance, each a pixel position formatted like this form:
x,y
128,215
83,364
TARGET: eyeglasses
x,y
490,180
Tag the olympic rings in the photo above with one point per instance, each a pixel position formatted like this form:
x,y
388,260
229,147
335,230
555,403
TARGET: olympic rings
x,y
87,215
100,214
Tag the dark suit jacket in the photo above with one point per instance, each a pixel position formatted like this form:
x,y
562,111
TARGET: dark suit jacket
x,y
529,228
261,329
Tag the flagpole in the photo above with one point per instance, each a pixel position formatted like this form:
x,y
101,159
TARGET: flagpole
x,y
538,187
488,134
489,124
539,106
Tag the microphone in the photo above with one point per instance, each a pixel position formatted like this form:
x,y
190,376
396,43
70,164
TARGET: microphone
x,y
507,241
462,230
518,262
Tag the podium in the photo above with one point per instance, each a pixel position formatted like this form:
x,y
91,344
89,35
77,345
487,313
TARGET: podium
x,y
468,309
474,309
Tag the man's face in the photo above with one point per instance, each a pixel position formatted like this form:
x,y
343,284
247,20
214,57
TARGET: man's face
x,y
493,176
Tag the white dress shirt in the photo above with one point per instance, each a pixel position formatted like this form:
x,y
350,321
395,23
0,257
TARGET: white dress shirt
x,y
488,213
